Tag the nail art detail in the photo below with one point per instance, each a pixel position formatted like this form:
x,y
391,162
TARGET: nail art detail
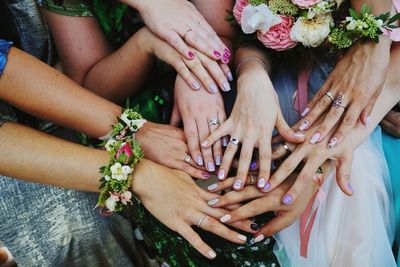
x,y
254,227
212,186
225,218
315,138
305,112
304,125
191,55
199,160
218,160
230,76
257,239
213,88
238,185
253,165
196,85
287,199
267,186
212,202
206,174
217,54
226,86
221,174
332,143
242,237
261,183
212,254
211,167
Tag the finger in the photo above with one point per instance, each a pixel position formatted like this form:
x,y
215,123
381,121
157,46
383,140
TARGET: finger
x,y
220,132
390,128
264,152
244,163
234,197
182,69
217,147
343,170
280,150
320,94
366,113
229,154
228,73
196,66
276,224
286,132
192,137
195,173
175,117
198,38
203,131
216,72
176,42
195,240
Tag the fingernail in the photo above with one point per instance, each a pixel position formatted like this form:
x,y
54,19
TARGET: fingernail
x,y
196,85
242,237
226,86
315,138
217,54
261,183
206,174
350,187
218,160
199,160
305,112
227,51
257,239
212,202
211,167
267,186
230,76
212,187
238,184
191,55
212,254
332,142
253,165
254,227
225,60
300,135
224,141
367,121
304,125
287,199
205,143
221,174
225,218
213,88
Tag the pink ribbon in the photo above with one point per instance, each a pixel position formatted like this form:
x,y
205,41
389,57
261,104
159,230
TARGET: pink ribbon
x,y
393,34
301,94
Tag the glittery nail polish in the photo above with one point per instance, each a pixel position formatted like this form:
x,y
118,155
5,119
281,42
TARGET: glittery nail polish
x,y
221,174
210,166
267,186
261,183
304,125
238,184
287,199
315,138
212,186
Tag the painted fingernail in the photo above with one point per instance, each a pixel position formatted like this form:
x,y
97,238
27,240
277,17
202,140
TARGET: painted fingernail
x,y
199,160
217,54
261,183
253,165
332,142
315,138
212,202
350,187
300,135
226,86
213,88
242,237
225,60
206,174
254,227
227,52
367,121
212,186
257,239
196,85
212,254
225,218
218,160
221,174
287,199
304,125
191,55
224,141
267,186
238,185
229,76
205,143
305,112
211,166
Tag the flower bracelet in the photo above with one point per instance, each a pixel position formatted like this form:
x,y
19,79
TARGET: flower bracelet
x,y
125,154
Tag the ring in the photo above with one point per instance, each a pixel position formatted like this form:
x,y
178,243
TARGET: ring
x,y
285,147
186,33
213,121
253,179
234,141
188,158
330,95
201,220
338,103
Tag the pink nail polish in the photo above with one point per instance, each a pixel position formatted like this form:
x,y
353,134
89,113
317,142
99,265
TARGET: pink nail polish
x,y
287,199
230,76
304,125
196,85
227,52
191,55
332,143
206,174
305,112
217,54
315,138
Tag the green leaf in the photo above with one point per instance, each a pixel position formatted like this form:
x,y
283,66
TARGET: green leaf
x,y
394,18
363,9
353,13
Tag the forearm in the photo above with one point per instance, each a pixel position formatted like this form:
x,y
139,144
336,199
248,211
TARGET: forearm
x,y
42,91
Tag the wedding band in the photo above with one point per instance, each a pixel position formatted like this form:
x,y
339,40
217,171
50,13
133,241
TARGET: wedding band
x,y
213,121
330,95
253,179
234,141
188,158
285,147
186,33
338,103
201,220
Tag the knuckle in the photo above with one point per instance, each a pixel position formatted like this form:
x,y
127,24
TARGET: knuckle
x,y
287,165
349,120
323,103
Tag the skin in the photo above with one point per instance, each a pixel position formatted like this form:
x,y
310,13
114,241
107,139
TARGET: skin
x,y
391,123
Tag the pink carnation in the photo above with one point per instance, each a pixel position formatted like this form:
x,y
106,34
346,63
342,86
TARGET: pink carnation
x,y
278,36
238,10
305,3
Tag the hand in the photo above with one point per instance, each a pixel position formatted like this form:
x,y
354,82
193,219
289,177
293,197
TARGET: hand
x,y
359,77
167,146
264,202
197,109
255,113
209,72
391,123
174,199
180,24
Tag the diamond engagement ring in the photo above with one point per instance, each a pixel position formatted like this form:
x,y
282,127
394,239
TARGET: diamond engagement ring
x,y
213,121
253,179
338,103
234,141
201,220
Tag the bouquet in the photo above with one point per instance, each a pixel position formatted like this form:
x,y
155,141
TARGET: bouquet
x,y
284,24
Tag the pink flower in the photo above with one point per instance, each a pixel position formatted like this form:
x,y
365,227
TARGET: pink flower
x,y
238,10
278,36
125,149
306,3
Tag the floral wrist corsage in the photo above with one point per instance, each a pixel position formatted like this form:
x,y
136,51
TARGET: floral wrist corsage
x,y
125,154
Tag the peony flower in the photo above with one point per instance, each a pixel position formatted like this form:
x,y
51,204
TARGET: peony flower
x,y
118,173
278,37
238,10
306,3
312,33
126,150
110,144
259,18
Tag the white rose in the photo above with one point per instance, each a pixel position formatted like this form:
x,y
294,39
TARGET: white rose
x,y
111,203
117,172
259,18
110,144
312,33
351,26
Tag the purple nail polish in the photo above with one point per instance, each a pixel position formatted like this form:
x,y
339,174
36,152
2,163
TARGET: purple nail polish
x,y
237,185
224,141
300,135
196,85
315,138
213,88
261,183
227,51
287,199
254,227
217,54
218,160
230,76
226,86
367,121
332,143
253,165
304,125
199,160
206,174
211,167
305,112
350,187
221,174
212,187
191,55
205,143
267,186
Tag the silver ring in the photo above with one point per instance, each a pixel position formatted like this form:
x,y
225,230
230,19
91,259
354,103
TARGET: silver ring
x,y
253,179
201,220
234,141
330,95
188,158
285,147
213,121
338,103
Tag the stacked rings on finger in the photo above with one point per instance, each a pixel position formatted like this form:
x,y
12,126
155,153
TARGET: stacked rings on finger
x,y
188,158
201,220
338,103
330,95
285,147
213,121
234,141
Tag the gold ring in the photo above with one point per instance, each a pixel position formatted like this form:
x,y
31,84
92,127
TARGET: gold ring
x,y
188,158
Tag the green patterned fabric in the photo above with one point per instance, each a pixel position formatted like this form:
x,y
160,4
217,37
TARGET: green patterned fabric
x,y
73,8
